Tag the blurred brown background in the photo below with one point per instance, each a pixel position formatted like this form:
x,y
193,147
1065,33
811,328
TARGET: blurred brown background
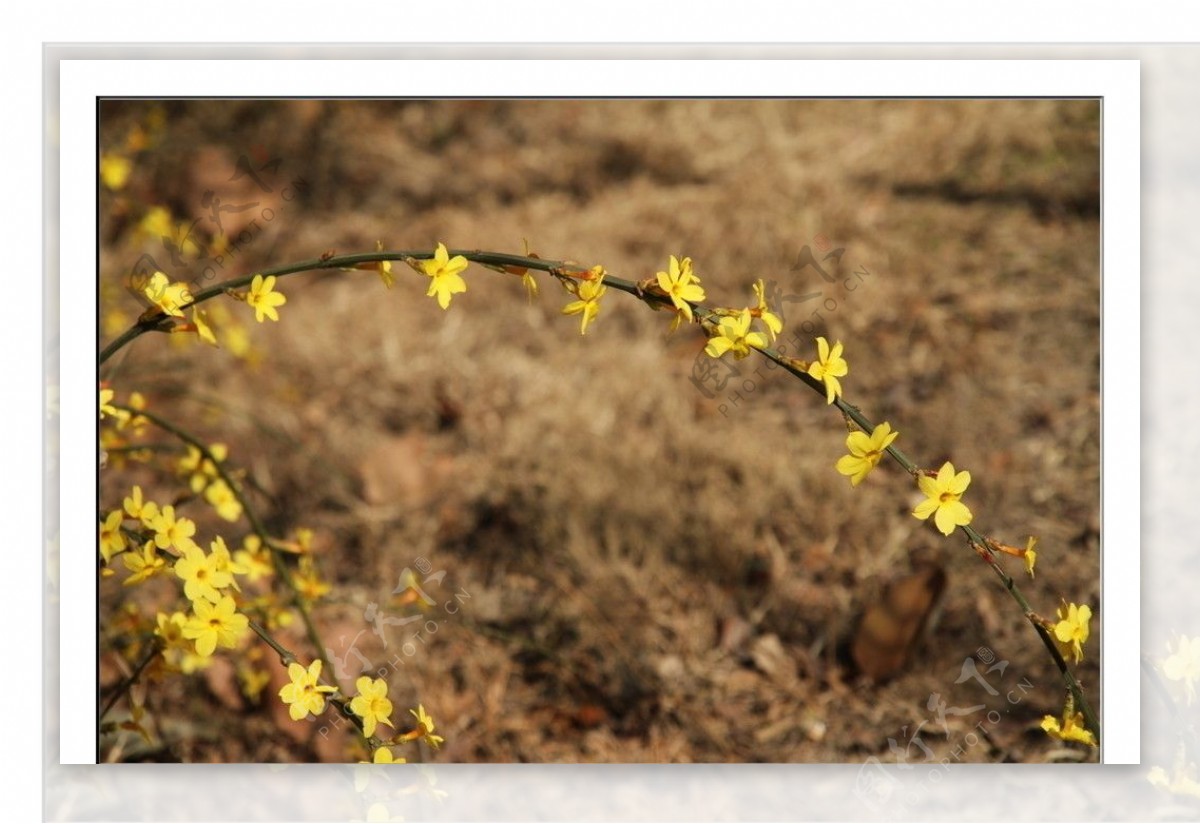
x,y
651,574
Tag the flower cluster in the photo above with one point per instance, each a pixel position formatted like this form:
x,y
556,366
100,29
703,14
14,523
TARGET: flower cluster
x,y
588,292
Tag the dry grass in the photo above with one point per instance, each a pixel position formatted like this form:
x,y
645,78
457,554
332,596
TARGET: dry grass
x,y
653,575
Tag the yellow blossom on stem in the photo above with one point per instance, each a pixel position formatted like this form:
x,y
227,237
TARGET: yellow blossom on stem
x,y
175,647
425,728
384,268
143,564
1071,631
202,580
942,498
773,323
112,540
254,558
202,328
223,500
201,470
1184,664
139,510
384,756
865,452
264,299
523,271
445,275
213,624
681,285
223,562
172,532
169,297
305,694
1030,555
734,335
588,293
132,420
371,704
1071,728
829,367
106,407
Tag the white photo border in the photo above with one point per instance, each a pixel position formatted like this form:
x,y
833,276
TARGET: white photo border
x,y
1116,82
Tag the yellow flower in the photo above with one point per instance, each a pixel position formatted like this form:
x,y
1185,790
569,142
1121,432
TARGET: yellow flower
x,y
1071,728
213,624
200,321
176,648
425,724
115,170
133,420
371,704
169,297
112,540
384,267
106,407
170,532
772,321
443,271
1030,555
143,564
523,271
865,452
304,694
223,500
942,497
829,367
202,580
201,469
588,293
681,285
254,558
1184,664
144,511
264,299
384,756
223,562
1072,629
734,335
